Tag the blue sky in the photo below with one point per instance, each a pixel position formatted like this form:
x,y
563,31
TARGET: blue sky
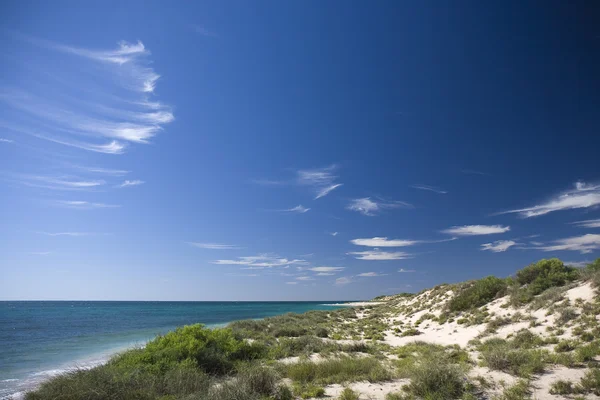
x,y
292,150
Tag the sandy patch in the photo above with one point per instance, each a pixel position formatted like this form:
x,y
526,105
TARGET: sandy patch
x,y
585,292
439,334
541,385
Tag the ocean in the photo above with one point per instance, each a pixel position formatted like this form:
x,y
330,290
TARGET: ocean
x,y
40,339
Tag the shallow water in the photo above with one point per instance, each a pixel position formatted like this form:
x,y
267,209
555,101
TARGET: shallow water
x,y
40,339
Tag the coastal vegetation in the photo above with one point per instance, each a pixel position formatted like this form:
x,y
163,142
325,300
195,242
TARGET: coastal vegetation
x,y
449,342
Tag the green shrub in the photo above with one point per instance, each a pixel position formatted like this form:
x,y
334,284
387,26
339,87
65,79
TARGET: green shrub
x,y
545,274
565,345
478,294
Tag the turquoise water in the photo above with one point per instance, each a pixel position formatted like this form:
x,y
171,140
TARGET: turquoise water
x,y
40,339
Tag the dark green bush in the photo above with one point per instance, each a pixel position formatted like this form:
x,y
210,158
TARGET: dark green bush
x,y
478,294
545,274
436,380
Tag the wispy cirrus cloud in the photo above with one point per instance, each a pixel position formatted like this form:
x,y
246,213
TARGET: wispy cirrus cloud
x,y
53,182
300,209
333,233
84,205
291,283
72,234
584,244
321,180
373,206
429,188
583,195
114,111
498,246
214,246
325,269
577,264
262,261
378,255
384,242
127,183
203,31
402,270
104,171
370,274
305,278
474,230
590,223
3,140
344,280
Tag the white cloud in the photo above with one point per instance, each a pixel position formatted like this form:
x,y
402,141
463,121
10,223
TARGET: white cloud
x,y
371,207
583,244
321,180
474,230
105,171
305,278
261,261
344,280
325,274
56,182
291,283
326,190
377,255
201,30
370,274
582,196
40,253
2,140
577,264
300,209
84,205
429,188
114,104
72,234
131,183
406,270
215,246
334,233
498,246
383,242
326,269
590,223
267,182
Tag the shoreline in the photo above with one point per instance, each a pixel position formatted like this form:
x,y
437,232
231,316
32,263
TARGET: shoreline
x,y
17,384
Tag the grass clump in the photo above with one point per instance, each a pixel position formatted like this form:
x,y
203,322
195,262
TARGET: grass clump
x,y
434,380
337,370
587,353
516,356
591,382
308,390
411,332
478,294
348,394
561,387
518,391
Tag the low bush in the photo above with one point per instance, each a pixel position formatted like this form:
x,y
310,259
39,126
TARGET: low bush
x,y
501,355
587,353
435,380
337,370
478,294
